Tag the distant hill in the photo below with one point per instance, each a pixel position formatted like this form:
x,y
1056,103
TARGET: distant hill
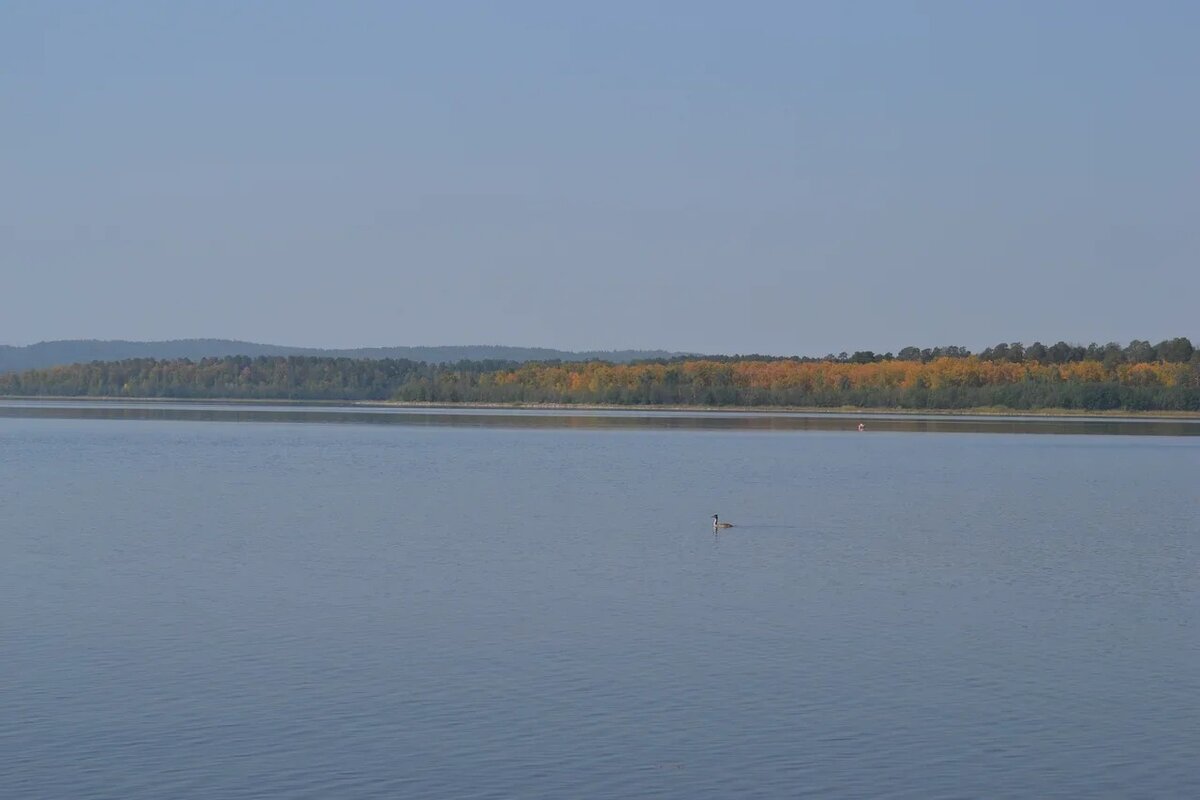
x,y
75,351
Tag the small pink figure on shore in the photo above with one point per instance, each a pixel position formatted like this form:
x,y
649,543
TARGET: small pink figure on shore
x,y
861,427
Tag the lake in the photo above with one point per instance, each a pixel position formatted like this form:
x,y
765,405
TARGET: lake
x,y
218,601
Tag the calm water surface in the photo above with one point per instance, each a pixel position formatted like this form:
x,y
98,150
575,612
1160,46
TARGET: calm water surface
x,y
205,608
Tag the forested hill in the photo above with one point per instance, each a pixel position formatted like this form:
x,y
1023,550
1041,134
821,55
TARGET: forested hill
x,y
74,351
1168,379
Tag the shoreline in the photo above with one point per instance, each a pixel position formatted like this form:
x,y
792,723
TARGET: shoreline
x,y
807,410
998,412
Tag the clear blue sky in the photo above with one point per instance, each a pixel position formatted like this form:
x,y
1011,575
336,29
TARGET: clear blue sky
x,y
723,177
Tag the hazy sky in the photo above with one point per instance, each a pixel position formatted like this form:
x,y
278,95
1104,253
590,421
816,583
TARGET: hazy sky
x,y
723,177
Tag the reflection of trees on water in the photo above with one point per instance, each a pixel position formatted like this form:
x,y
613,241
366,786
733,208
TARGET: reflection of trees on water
x,y
517,420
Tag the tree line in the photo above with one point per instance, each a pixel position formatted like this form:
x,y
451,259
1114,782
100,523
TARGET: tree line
x,y
1178,350
1102,380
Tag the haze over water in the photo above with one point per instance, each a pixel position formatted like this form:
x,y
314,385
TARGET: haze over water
x,y
483,607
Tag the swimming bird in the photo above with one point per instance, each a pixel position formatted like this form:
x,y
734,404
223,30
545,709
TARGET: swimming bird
x,y
717,524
